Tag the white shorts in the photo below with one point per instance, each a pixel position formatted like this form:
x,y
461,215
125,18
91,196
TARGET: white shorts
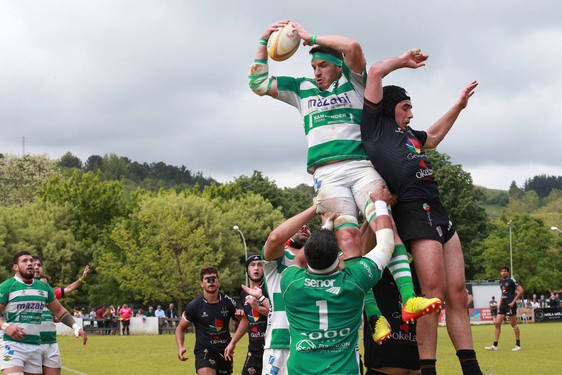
x,y
50,355
275,361
343,187
17,354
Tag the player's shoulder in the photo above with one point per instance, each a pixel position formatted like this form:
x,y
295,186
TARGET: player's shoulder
x,y
197,301
8,283
227,299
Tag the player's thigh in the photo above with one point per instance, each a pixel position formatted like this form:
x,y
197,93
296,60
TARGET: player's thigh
x,y
370,181
23,357
430,267
206,371
51,371
513,320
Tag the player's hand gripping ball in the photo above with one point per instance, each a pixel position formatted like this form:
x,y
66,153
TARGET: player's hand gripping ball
x,y
283,43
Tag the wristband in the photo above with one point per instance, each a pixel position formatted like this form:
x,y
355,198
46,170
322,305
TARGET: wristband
x,y
76,329
261,299
5,325
263,42
313,39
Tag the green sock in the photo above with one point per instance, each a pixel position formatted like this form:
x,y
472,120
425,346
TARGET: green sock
x,y
400,269
371,307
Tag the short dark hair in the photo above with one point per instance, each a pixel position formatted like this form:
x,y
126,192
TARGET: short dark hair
x,y
19,254
207,270
321,249
504,268
37,257
328,50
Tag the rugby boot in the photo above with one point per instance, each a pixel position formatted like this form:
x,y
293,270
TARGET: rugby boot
x,y
380,327
417,307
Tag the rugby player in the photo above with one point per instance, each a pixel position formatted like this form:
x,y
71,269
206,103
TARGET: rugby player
x,y
330,105
210,313
324,304
511,292
253,319
22,299
278,254
421,220
50,352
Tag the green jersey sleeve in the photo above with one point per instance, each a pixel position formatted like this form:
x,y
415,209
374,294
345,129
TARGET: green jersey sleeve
x,y
365,273
288,89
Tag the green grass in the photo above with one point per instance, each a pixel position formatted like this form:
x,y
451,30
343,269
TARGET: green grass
x,y
541,353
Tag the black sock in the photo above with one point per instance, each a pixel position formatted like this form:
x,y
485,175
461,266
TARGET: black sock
x,y
517,342
427,366
495,343
469,363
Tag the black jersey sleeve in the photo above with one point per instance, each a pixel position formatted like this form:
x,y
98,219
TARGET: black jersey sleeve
x,y
189,311
371,125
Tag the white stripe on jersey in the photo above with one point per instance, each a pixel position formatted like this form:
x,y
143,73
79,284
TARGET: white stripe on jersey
x,y
327,133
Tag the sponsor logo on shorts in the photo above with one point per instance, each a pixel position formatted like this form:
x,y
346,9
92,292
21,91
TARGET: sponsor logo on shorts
x,y
9,353
317,184
271,360
439,230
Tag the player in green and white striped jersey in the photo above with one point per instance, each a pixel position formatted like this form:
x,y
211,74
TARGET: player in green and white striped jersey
x,y
277,256
22,299
50,352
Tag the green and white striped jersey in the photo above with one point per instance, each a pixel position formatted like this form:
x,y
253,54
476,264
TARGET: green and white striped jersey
x,y
277,332
324,313
23,306
48,327
331,118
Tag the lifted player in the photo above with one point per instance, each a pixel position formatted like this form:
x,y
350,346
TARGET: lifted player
x,y
22,299
210,313
511,292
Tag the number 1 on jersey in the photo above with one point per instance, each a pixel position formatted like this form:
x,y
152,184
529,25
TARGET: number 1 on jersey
x,y
323,313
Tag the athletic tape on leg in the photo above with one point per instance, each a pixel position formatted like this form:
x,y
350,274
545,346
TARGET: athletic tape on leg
x,y
343,221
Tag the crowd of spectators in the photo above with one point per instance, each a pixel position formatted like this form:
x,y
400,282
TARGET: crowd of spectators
x,y
534,302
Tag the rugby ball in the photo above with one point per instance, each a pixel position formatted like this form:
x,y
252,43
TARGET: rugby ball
x,y
283,43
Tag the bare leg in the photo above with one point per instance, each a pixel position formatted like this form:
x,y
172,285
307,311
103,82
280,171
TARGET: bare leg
x,y
430,268
51,371
499,321
513,321
458,324
350,241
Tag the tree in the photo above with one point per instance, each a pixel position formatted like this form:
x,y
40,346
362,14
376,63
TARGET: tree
x,y
536,259
462,202
70,161
93,163
20,178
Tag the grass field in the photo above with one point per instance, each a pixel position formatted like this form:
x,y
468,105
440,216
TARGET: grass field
x,y
541,354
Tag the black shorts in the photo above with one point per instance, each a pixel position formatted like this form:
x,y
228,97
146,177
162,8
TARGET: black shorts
x,y
213,360
253,364
423,219
126,323
509,311
494,311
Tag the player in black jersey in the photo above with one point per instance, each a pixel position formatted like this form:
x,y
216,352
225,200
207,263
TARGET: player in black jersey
x,y
397,152
210,313
254,317
511,292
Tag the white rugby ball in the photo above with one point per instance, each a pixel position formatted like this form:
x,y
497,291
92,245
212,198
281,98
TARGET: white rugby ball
x,y
283,43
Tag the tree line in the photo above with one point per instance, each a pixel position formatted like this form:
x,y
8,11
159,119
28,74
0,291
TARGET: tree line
x,y
146,245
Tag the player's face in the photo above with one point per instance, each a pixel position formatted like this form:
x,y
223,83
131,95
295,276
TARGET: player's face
x,y
210,283
403,113
255,270
37,269
504,273
24,267
325,73
302,235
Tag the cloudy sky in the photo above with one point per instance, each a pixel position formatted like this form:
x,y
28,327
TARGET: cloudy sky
x,y
166,80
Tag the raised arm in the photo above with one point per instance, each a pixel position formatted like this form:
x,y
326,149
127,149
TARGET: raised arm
x,y
351,49
439,130
258,75
274,246
70,287
412,58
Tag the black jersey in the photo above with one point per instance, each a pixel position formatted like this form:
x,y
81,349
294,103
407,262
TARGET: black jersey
x,y
508,287
257,324
398,155
211,321
400,349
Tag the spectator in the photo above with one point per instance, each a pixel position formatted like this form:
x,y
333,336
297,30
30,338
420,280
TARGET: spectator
x,y
140,314
554,301
92,316
159,313
125,313
494,307
82,313
528,303
171,312
542,302
100,319
76,312
107,321
150,311
535,304
114,321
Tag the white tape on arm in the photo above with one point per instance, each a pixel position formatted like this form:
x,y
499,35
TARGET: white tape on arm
x,y
258,78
